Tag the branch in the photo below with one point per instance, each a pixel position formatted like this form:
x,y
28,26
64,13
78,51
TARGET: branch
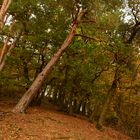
x,y
88,37
88,21
135,29
134,15
3,10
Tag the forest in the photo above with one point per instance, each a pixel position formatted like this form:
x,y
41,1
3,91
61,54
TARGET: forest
x,y
82,56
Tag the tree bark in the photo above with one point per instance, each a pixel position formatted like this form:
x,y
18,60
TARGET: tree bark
x,y
3,10
37,84
6,50
110,95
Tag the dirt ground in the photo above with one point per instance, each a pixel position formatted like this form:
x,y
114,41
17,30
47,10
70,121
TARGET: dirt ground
x,y
42,123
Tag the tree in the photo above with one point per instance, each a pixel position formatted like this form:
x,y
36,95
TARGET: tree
x,y
3,19
33,90
3,12
126,42
92,77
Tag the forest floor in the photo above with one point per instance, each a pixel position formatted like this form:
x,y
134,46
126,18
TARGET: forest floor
x,y
42,123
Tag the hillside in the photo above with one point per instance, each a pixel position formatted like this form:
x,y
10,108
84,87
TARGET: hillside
x,y
79,60
49,124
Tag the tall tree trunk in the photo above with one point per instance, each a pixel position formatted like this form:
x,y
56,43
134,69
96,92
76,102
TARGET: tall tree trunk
x,y
109,97
3,10
6,50
37,84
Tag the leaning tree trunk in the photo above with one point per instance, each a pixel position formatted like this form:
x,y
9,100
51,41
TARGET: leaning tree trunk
x,y
3,53
109,97
37,84
6,50
3,11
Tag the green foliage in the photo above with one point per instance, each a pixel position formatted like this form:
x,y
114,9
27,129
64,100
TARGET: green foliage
x,y
83,76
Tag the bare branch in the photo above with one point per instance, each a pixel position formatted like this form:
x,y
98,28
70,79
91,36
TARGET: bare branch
x,y
88,37
135,15
134,32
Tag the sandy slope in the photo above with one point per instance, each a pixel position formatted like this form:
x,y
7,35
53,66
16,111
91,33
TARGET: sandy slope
x,y
49,124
